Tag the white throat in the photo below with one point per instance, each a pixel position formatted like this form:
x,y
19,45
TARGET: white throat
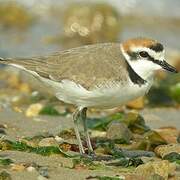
x,y
144,68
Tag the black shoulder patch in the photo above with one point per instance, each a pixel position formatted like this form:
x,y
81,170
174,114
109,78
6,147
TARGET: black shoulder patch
x,y
135,78
157,47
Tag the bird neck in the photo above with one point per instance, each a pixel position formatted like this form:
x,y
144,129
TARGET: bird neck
x,y
144,69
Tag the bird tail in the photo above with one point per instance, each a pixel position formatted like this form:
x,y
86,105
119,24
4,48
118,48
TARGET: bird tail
x,y
18,62
13,62
5,60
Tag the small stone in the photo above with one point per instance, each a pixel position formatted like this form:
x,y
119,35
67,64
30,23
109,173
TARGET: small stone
x,y
170,134
19,100
5,176
100,150
43,171
33,110
96,133
32,143
30,169
17,167
149,141
163,150
13,81
41,178
4,126
65,146
59,139
137,103
48,142
17,109
162,168
25,88
119,132
146,159
2,131
135,123
5,145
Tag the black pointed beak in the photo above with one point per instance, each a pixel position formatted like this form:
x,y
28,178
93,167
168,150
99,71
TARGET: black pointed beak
x,y
167,66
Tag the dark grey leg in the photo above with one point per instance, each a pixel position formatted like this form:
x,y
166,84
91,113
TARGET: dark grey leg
x,y
88,141
76,116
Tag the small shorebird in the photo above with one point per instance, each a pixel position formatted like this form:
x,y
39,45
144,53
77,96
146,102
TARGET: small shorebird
x,y
100,75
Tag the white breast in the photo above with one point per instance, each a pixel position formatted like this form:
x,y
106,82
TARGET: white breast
x,y
103,97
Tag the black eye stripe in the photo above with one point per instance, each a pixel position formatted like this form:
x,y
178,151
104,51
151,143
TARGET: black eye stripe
x,y
143,54
133,55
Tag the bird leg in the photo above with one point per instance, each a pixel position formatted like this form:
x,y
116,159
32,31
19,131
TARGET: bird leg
x,y
76,116
88,141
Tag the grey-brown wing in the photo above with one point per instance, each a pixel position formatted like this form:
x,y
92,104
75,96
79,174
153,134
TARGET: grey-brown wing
x,y
88,65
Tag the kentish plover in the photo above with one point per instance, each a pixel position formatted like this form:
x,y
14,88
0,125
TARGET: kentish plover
x,y
100,75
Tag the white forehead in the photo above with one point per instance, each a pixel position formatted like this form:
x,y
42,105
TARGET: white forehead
x,y
156,55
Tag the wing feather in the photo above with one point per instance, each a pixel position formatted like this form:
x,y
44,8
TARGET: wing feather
x,y
89,66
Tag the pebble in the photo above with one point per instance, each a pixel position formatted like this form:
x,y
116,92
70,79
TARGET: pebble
x,y
48,142
5,176
119,131
30,169
137,103
59,139
17,167
170,134
33,110
96,133
2,131
41,178
43,171
163,150
162,168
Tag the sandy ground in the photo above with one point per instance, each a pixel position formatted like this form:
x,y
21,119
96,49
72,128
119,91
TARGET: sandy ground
x,y
59,167
19,125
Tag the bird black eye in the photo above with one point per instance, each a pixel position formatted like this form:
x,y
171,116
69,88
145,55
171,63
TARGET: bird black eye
x,y
143,54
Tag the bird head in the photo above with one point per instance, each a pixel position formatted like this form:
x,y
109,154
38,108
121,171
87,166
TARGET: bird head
x,y
145,56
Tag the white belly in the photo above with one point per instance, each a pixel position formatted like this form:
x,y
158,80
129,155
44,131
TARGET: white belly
x,y
108,97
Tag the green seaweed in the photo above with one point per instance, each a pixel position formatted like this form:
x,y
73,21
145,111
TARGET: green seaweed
x,y
51,111
38,137
5,161
87,162
110,148
134,121
173,157
175,92
102,123
5,175
127,162
166,92
21,146
106,177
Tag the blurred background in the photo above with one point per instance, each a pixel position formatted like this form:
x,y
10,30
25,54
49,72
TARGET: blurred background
x,y
143,133
31,28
